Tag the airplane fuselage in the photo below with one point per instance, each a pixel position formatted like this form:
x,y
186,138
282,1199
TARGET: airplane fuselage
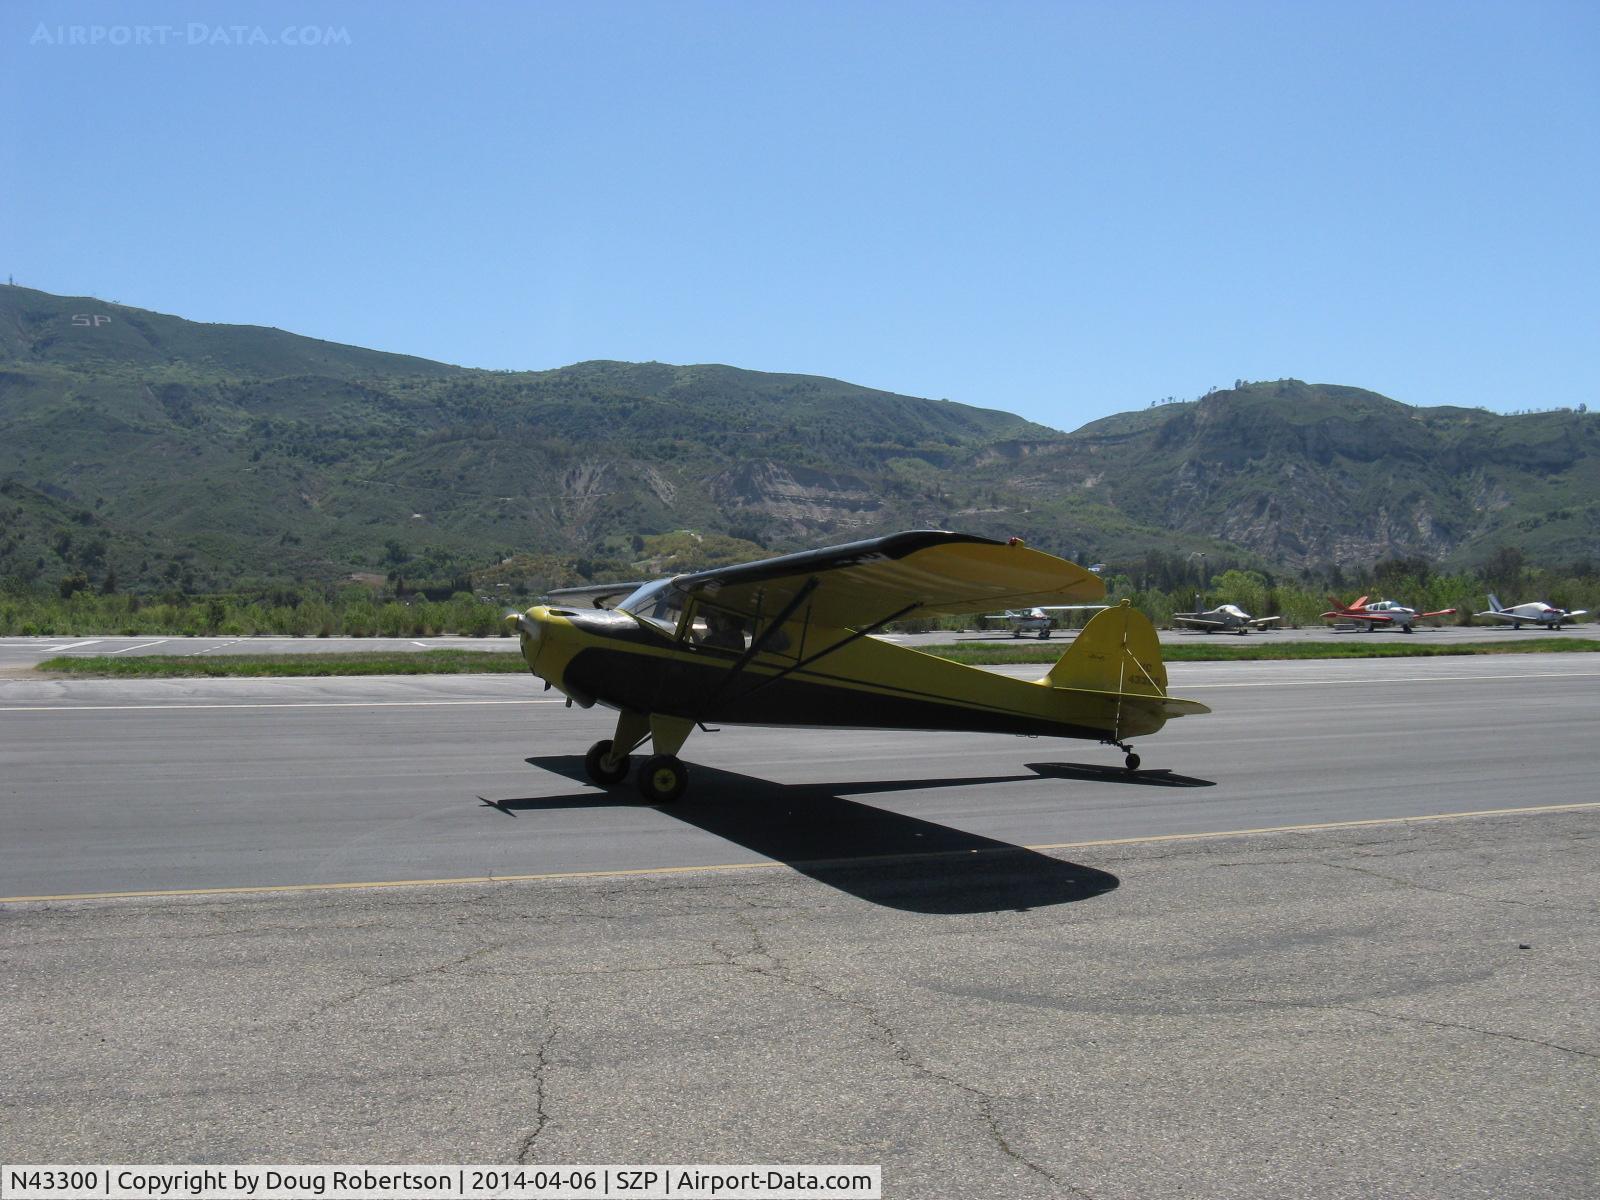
x,y
617,660
614,660
1535,612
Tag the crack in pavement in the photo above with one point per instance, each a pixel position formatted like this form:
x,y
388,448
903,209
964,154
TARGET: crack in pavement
x,y
776,969
392,981
1429,1021
541,1118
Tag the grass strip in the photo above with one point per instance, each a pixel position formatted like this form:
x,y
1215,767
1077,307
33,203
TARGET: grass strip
x,y
500,662
981,654
220,666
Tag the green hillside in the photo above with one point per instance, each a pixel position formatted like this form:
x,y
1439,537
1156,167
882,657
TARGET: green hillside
x,y
1303,474
212,456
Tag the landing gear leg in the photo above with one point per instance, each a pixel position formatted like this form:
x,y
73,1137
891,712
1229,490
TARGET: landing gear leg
x,y
1132,759
662,778
607,761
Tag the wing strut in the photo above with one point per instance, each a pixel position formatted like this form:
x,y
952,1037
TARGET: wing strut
x,y
760,641
855,635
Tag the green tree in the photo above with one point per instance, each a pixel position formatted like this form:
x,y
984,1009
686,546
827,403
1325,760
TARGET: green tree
x,y
1247,589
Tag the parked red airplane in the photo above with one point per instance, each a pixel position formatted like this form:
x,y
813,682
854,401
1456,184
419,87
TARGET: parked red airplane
x,y
1380,612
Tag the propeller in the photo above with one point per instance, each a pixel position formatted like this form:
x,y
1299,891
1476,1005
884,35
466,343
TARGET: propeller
x,y
521,622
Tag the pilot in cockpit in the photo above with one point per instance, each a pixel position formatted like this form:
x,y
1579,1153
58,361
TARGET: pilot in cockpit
x,y
723,631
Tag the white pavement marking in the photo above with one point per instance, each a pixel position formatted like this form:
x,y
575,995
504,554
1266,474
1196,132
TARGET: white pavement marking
x,y
141,646
285,704
70,646
218,646
1190,687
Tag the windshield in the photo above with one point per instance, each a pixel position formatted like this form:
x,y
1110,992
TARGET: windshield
x,y
659,603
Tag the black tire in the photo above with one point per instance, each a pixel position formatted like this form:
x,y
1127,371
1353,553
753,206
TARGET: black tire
x,y
1016,633
662,778
594,765
1132,761
1044,635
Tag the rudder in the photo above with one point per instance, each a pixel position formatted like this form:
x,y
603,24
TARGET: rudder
x,y
1117,652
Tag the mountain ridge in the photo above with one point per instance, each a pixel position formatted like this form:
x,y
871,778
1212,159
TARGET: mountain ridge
x,y
222,453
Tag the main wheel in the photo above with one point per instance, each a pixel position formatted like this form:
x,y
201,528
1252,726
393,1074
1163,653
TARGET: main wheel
x,y
1044,635
1016,633
662,778
1132,761
594,764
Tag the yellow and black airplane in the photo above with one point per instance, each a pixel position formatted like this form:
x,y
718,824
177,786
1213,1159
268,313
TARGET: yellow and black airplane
x,y
785,641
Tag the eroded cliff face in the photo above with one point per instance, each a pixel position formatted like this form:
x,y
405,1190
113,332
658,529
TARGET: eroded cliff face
x,y
801,499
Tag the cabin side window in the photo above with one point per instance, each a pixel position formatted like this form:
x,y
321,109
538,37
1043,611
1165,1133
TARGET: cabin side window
x,y
721,630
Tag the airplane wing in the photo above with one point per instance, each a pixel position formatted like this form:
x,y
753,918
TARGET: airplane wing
x,y
1263,622
1070,607
1196,622
1500,615
595,595
1443,612
923,571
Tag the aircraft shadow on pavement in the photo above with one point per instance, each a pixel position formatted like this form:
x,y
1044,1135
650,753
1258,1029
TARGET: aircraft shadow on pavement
x,y
883,857
1157,777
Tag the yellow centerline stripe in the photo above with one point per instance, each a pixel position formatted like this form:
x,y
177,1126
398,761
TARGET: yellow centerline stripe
x,y
622,872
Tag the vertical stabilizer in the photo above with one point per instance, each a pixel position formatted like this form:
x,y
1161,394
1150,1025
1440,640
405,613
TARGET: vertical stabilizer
x,y
1494,603
1117,652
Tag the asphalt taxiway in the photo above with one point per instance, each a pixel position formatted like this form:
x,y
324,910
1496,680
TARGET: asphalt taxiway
x,y
114,786
18,653
995,966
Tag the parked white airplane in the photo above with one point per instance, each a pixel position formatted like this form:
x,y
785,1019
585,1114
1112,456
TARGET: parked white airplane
x,y
1037,620
1535,612
1228,617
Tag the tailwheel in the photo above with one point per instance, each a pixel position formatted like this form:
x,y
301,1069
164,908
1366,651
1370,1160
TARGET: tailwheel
x,y
594,763
662,778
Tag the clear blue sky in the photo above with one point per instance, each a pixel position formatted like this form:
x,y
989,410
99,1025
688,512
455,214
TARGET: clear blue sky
x,y
1064,210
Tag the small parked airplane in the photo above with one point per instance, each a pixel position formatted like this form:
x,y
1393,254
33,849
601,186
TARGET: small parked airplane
x,y
1037,619
1225,616
785,641
1379,612
1535,612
